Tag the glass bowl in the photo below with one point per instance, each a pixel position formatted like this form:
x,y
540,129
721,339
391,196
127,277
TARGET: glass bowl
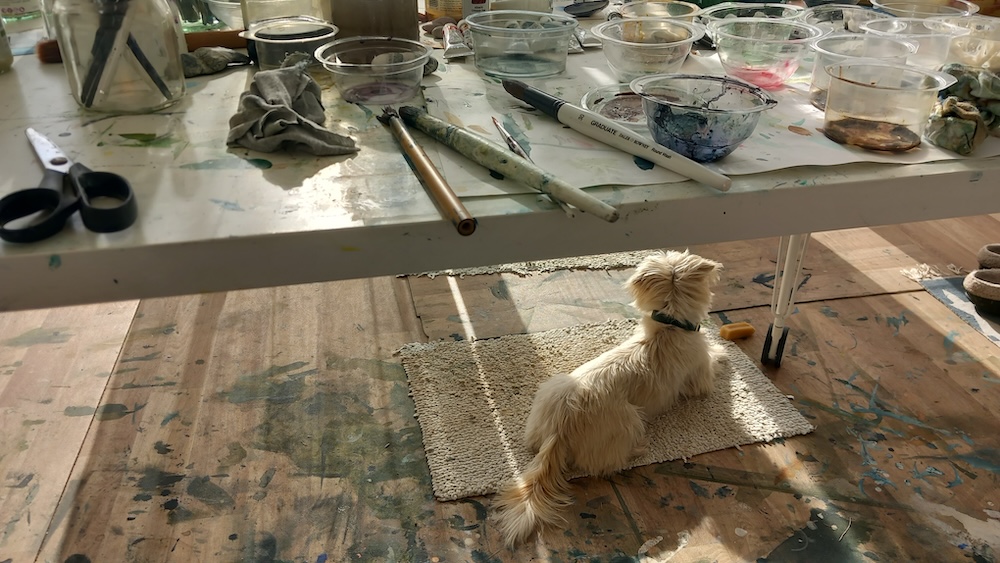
x,y
762,51
274,39
837,18
730,10
375,70
704,118
839,47
228,12
640,46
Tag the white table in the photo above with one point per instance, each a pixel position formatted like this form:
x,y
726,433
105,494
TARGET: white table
x,y
214,218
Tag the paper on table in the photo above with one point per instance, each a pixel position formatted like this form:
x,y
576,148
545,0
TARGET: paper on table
x,y
787,136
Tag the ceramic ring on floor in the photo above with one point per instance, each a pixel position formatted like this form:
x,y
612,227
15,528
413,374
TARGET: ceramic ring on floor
x,y
983,289
989,256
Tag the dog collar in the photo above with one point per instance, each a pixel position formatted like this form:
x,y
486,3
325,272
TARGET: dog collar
x,y
661,317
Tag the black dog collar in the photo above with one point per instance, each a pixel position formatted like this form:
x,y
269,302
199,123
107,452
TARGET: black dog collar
x,y
666,319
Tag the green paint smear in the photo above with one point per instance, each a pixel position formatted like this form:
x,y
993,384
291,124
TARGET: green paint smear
x,y
54,262
203,489
154,479
146,358
229,164
377,369
236,454
39,336
147,140
168,418
111,411
30,423
264,386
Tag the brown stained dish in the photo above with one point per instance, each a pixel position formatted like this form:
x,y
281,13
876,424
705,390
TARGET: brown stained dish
x,y
875,135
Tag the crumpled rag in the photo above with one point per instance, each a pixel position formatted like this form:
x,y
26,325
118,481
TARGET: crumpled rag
x,y
282,111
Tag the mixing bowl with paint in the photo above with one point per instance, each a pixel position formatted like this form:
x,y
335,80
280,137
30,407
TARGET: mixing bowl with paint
x,y
701,117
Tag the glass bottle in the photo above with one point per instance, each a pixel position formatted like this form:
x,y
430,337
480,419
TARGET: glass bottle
x,y
121,56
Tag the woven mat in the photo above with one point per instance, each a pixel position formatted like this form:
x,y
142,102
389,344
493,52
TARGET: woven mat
x,y
613,261
472,399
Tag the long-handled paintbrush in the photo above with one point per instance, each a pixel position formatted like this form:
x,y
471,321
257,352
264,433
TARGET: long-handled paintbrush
x,y
440,191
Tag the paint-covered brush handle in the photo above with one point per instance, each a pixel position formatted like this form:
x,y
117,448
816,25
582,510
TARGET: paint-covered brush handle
x,y
495,157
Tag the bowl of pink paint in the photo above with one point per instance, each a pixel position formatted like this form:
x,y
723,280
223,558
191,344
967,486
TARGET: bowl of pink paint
x,y
765,52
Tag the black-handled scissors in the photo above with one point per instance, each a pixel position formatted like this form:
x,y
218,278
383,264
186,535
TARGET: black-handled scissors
x,y
66,188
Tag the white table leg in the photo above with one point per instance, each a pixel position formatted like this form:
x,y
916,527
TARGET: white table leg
x,y
791,250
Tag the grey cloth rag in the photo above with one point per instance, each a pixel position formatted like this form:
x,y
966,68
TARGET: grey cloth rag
x,y
210,60
282,111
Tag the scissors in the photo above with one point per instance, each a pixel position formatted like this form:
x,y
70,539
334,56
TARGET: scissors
x,y
66,188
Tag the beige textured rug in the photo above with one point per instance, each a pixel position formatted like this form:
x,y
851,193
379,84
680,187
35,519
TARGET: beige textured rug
x,y
472,399
613,261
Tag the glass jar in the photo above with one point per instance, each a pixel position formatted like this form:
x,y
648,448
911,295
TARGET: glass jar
x,y
121,56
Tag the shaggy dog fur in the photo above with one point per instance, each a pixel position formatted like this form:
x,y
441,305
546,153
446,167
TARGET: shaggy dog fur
x,y
594,419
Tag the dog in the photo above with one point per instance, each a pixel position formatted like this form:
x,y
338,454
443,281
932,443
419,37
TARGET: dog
x,y
594,419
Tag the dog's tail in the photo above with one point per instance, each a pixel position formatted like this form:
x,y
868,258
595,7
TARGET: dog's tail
x,y
536,499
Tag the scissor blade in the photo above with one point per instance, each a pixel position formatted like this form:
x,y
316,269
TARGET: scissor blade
x,y
52,156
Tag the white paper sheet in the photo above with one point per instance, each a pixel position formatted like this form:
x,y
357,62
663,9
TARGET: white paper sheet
x,y
787,136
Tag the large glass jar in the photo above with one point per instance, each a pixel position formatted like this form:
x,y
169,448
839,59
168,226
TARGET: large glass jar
x,y
121,56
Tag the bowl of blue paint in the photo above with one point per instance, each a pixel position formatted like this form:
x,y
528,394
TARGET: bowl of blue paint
x,y
702,117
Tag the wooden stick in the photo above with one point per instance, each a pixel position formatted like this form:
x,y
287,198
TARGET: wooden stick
x,y
440,191
497,158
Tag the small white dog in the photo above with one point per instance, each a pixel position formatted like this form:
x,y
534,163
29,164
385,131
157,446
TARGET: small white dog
x,y
594,419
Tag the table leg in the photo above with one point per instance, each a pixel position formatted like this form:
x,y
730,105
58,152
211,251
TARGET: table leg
x,y
791,250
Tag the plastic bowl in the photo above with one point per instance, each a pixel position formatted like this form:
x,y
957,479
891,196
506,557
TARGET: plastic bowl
x,y
375,70
228,12
730,10
640,46
838,18
762,51
520,44
839,47
660,9
932,36
981,48
276,38
618,103
701,117
925,8
880,105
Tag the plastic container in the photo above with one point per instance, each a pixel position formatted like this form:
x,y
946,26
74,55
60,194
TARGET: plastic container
x,y
520,44
701,117
925,8
229,12
120,57
261,10
375,70
981,48
763,51
932,36
640,46
277,38
730,10
880,105
618,103
837,18
839,47
660,9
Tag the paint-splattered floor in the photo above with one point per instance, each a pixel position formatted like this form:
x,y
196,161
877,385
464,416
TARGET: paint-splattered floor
x,y
274,425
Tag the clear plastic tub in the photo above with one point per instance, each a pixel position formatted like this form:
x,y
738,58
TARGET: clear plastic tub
x,y
763,51
842,46
880,105
932,36
520,44
640,46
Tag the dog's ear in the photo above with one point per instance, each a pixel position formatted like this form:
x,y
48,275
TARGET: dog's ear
x,y
705,269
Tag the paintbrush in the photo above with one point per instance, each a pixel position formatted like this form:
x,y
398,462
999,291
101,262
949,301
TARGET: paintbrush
x,y
495,157
440,191
601,129
517,149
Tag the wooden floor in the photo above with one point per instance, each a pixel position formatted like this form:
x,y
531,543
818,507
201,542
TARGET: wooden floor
x,y
275,425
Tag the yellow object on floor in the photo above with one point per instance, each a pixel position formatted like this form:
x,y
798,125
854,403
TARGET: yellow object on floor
x,y
736,331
